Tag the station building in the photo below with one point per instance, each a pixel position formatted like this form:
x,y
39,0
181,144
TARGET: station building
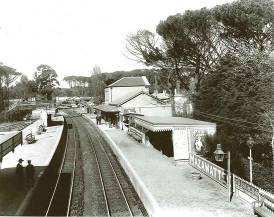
x,y
148,118
131,95
175,137
124,86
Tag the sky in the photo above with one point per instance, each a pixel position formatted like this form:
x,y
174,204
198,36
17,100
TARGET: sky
x,y
74,35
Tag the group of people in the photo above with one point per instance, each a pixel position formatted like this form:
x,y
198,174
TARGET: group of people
x,y
24,175
112,119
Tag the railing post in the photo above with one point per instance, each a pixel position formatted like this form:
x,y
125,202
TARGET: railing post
x,y
228,176
21,137
12,145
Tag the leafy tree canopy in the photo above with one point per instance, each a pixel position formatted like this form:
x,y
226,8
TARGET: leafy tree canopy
x,y
45,78
236,96
247,22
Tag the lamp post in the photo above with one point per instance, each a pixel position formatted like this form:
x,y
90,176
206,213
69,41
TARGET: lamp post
x,y
250,143
219,155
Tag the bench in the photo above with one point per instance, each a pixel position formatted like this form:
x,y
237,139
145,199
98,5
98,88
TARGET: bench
x,y
135,134
41,129
30,138
264,207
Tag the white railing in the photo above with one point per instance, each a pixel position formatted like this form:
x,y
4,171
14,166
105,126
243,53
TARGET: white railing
x,y
136,134
240,188
248,188
210,169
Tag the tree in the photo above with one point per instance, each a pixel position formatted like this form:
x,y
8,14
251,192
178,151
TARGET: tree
x,y
7,76
97,84
143,47
246,24
199,39
24,89
46,81
188,47
236,96
78,84
271,114
192,41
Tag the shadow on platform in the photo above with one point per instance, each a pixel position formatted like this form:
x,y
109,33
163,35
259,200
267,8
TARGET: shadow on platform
x,y
10,197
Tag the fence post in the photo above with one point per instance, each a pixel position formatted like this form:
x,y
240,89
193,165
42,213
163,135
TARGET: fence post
x,y
12,141
233,183
229,177
1,155
21,137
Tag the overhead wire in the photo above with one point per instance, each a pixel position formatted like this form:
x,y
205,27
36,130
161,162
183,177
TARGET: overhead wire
x,y
230,121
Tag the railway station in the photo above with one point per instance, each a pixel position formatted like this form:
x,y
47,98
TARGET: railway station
x,y
15,145
137,108
136,157
116,154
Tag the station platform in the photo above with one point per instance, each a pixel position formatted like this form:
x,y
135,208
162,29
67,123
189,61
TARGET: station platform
x,y
167,189
40,153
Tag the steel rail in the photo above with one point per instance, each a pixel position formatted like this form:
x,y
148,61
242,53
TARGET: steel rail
x,y
115,174
101,178
112,169
58,178
73,175
99,170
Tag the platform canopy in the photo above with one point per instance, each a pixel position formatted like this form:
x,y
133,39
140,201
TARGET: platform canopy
x,y
157,123
107,108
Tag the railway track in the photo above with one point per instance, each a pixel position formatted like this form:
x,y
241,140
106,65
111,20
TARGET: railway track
x,y
60,199
134,203
53,191
116,203
84,163
115,196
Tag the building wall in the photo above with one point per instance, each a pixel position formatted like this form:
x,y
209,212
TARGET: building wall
x,y
107,95
185,140
114,93
180,144
146,105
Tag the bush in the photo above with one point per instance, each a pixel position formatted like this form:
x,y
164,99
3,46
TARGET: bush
x,y
209,146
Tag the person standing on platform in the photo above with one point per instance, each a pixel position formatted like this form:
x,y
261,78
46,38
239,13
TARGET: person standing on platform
x,y
19,172
97,119
30,171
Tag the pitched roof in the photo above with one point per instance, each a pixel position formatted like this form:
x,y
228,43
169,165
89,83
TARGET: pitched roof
x,y
130,82
131,96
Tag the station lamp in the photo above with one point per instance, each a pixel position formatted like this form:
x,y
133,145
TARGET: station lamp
x,y
219,155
